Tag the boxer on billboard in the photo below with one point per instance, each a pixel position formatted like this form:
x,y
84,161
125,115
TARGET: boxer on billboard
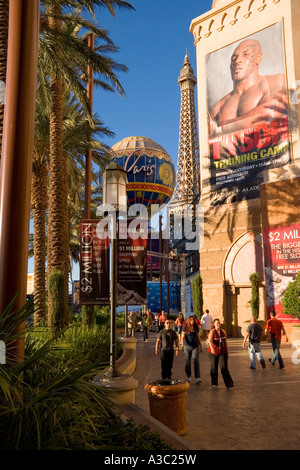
x,y
248,125
254,98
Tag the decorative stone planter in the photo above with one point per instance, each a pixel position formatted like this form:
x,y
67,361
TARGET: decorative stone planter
x,y
123,387
127,342
244,327
167,400
295,335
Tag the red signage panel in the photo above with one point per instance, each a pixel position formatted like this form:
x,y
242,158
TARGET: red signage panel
x,y
132,264
94,265
282,263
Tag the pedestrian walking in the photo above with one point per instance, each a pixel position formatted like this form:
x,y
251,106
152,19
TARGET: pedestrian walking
x,y
218,354
206,321
162,319
191,345
156,323
179,324
166,340
152,319
146,323
275,328
131,323
253,333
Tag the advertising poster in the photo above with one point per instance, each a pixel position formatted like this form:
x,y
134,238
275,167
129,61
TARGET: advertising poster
x,y
282,262
132,265
94,265
248,126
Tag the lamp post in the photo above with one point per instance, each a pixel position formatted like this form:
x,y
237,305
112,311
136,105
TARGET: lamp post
x,y
115,196
16,160
88,163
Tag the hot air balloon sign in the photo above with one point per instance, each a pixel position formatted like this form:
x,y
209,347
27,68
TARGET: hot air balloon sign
x,y
150,171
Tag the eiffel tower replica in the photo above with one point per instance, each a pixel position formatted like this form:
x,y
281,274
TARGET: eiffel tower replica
x,y
187,189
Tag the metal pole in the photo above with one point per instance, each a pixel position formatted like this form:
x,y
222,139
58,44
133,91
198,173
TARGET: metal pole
x,y
88,165
17,149
112,371
113,306
168,275
160,262
126,322
183,285
150,255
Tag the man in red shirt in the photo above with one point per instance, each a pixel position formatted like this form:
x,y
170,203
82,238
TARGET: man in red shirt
x,y
275,327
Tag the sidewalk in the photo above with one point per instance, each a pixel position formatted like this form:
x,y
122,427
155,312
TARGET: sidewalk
x,y
261,412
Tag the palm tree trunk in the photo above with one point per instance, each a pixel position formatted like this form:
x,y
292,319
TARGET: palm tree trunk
x,y
39,207
4,14
58,253
67,241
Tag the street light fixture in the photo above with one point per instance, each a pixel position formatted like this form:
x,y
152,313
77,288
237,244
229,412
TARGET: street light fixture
x,y
114,186
115,197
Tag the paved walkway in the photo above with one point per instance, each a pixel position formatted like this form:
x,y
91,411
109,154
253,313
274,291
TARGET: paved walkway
x,y
261,412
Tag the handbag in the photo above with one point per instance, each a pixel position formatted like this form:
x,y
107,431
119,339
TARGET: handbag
x,y
217,350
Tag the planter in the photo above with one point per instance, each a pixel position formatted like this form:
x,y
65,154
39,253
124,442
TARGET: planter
x,y
295,335
244,327
167,400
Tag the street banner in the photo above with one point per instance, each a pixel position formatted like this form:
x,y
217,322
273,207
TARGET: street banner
x,y
132,264
248,122
94,265
282,262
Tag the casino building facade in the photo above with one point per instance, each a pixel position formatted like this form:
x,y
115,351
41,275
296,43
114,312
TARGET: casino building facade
x,y
249,154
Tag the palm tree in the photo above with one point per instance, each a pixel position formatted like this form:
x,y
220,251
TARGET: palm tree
x,y
39,204
76,128
76,203
67,55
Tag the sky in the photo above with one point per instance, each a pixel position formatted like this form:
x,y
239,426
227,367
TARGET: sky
x,y
152,40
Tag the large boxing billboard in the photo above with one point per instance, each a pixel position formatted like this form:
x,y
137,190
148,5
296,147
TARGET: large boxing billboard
x,y
248,126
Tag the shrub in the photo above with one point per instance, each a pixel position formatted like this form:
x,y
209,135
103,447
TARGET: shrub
x,y
48,401
57,296
87,312
254,301
291,298
76,342
197,296
135,437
